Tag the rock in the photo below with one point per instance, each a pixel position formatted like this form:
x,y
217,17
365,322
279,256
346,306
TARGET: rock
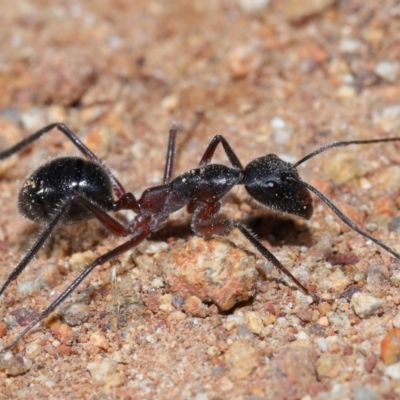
x,y
106,372
396,320
14,365
251,7
75,314
352,166
329,366
295,372
365,305
393,371
296,11
99,340
64,333
388,71
233,321
79,261
244,59
366,392
390,347
195,307
241,359
253,322
212,270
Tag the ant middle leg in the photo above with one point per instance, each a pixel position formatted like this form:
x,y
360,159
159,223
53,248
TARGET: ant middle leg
x,y
170,154
208,154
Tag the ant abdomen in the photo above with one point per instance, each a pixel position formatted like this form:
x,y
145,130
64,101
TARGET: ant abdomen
x,y
62,180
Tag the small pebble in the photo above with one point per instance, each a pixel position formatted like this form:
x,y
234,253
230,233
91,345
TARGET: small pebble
x,y
233,321
370,362
64,333
3,329
64,350
388,71
350,45
157,283
241,359
322,344
387,118
176,316
323,321
282,132
99,340
80,260
102,371
195,307
269,319
390,347
253,322
33,349
170,103
14,365
365,305
396,320
251,7
243,60
393,371
339,320
296,11
366,392
151,247
75,314
345,92
329,366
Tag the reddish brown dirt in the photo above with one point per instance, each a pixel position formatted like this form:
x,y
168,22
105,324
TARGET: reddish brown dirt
x,y
285,80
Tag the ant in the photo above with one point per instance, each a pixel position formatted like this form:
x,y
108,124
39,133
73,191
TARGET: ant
x,y
69,190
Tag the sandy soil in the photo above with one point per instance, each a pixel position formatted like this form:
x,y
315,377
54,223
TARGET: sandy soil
x,y
284,78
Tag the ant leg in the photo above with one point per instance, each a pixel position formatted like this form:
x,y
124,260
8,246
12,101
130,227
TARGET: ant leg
x,y
204,227
112,225
139,237
216,140
109,222
35,248
346,219
170,154
117,186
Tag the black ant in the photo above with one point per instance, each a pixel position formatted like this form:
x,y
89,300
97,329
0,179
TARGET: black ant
x,y
68,190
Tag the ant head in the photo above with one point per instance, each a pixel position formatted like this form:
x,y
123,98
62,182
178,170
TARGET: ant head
x,y
275,184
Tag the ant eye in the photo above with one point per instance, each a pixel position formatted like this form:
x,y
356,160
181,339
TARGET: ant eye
x,y
271,187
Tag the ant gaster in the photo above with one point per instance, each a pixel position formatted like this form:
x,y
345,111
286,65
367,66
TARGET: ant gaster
x,y
68,190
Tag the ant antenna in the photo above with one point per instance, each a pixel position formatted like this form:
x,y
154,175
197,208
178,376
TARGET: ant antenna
x,y
343,143
328,202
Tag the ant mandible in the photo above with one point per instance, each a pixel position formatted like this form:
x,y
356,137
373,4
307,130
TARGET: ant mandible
x,y
68,190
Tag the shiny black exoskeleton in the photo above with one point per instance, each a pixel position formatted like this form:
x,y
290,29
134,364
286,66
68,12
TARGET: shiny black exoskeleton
x,y
65,180
69,190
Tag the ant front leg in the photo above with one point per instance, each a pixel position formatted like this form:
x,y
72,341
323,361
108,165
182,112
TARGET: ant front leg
x,y
204,224
35,248
110,223
142,232
208,154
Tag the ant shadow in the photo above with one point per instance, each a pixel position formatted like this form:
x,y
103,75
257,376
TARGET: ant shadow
x,y
278,230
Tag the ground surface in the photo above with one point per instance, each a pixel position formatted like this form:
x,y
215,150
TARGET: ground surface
x,y
285,79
